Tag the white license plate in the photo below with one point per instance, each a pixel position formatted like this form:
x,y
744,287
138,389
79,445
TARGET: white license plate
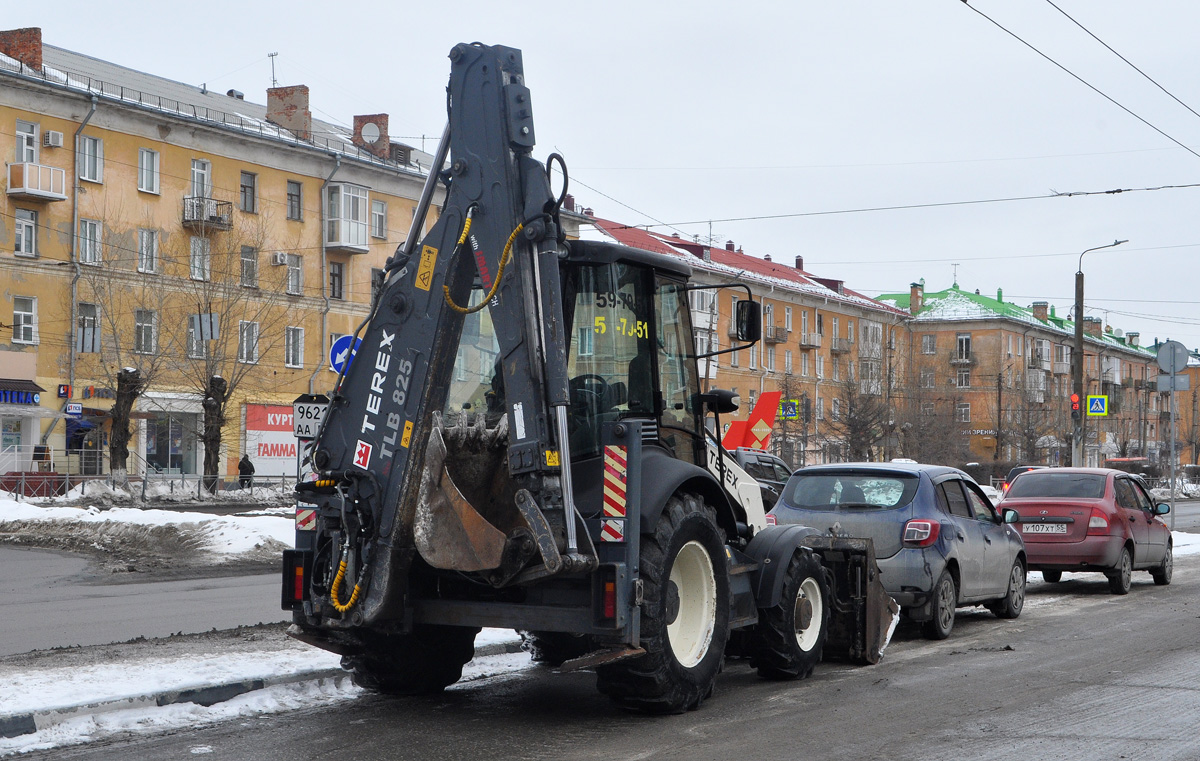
x,y
1044,528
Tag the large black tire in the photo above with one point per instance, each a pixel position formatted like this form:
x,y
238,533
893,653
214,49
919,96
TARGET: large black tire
x,y
685,614
1013,602
1162,574
1120,578
1052,576
942,604
789,638
553,649
424,662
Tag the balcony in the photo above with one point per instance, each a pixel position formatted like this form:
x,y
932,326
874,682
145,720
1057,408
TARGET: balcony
x,y
1036,395
962,360
840,345
810,340
37,182
1062,368
207,214
1037,363
774,334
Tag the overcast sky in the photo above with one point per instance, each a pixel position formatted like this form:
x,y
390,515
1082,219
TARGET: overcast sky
x,y
674,113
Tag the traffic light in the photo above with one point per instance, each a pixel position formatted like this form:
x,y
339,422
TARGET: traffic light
x,y
1076,410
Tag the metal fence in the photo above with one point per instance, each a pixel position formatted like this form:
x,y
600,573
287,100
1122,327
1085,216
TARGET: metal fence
x,y
152,488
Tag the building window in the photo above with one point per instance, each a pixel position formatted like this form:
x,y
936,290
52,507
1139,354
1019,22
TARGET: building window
x,y
25,320
147,250
850,370
376,282
91,159
346,209
837,367
89,241
379,219
804,365
293,347
754,356
294,209
927,408
25,240
803,323
820,366
248,197
820,408
201,178
850,331
27,143
835,327
247,342
820,324
787,361
197,347
929,344
769,358
147,170
587,341
963,350
927,378
200,259
295,275
337,280
787,319
963,412
144,332
249,266
835,408
964,378
88,338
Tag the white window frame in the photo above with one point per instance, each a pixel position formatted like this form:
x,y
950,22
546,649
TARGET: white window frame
x,y
197,348
962,412
820,366
837,368
201,184
928,378
299,194
378,219
963,379
145,331
835,408
147,250
769,358
295,275
293,346
91,235
148,171
86,321
25,327
248,267
850,331
341,269
91,158
200,258
252,207
27,142
247,340
803,365
787,361
586,338
962,346
929,343
787,319
347,215
835,327
25,234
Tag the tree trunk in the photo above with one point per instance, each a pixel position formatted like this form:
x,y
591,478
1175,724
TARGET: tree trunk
x,y
214,420
129,387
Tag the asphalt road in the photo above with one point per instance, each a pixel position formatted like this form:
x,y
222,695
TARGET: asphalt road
x,y
1083,674
50,601
1187,516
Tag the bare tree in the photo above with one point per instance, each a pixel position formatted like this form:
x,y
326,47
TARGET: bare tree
x,y
858,421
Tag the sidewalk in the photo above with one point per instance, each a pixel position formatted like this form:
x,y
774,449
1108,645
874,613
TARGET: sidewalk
x,y
45,689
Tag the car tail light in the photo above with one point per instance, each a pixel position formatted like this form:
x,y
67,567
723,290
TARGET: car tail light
x,y
921,533
1097,524
771,520
1004,487
297,568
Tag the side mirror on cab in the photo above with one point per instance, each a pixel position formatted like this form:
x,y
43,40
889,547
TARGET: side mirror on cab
x,y
721,401
1162,508
1011,516
749,320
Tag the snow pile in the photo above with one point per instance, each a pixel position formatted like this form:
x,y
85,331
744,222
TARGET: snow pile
x,y
1183,490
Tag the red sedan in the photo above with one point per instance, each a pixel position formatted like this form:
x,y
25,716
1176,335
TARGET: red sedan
x,y
1091,519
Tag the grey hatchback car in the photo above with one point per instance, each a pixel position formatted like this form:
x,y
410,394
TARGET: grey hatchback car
x,y
938,541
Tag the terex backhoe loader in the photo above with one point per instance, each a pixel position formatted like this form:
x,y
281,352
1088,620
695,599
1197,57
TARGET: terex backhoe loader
x,y
548,465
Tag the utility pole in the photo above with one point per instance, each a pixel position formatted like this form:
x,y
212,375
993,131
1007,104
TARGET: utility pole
x,y
1077,445
999,414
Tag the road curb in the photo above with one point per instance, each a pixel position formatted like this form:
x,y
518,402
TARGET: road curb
x,y
14,725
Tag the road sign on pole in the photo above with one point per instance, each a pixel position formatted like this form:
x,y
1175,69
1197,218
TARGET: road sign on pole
x,y
1097,406
1172,357
341,352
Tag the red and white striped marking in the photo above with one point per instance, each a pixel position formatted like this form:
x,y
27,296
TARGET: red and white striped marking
x,y
306,520
612,530
614,481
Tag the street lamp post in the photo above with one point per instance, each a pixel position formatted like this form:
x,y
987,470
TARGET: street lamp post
x,y
1077,443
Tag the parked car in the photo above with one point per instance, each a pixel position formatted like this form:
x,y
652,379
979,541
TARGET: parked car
x,y
1091,519
939,542
993,494
1016,472
770,472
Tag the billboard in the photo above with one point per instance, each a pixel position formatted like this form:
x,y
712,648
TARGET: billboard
x,y
269,439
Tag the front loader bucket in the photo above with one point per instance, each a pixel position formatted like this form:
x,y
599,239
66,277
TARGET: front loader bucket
x,y
863,615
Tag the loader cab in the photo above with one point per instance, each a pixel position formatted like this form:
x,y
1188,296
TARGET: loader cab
x,y
631,352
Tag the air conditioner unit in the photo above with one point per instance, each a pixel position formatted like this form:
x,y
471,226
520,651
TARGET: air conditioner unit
x,y
279,258
52,139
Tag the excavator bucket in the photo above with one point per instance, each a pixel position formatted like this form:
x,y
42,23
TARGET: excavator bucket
x,y
863,615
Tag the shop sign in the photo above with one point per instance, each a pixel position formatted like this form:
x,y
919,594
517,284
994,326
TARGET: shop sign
x,y
269,439
95,392
74,408
64,391
19,397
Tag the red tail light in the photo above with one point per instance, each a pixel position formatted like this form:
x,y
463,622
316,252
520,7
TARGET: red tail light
x,y
610,600
921,533
1004,486
298,591
770,520
1098,523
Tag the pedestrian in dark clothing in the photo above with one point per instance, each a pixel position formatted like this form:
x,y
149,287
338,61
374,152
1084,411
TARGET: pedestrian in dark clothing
x,y
245,471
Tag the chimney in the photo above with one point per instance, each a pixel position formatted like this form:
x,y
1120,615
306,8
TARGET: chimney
x,y
288,108
800,263
1041,310
1000,295
588,212
916,298
728,245
1132,338
371,134
1093,326
569,202
25,45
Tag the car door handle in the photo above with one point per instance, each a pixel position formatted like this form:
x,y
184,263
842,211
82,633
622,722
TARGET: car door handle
x,y
961,536
987,539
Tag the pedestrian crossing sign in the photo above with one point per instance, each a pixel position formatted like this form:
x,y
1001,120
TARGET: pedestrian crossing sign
x,y
1097,406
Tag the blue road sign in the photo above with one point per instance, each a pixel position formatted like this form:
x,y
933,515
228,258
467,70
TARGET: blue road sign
x,y
341,353
1097,405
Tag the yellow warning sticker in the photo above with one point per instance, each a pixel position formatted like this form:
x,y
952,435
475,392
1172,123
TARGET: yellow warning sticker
x,y
551,458
425,271
406,439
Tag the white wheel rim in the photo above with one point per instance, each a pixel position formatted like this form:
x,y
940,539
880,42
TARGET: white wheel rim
x,y
692,630
809,597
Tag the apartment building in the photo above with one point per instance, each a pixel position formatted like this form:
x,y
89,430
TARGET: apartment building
x,y
824,345
998,376
188,234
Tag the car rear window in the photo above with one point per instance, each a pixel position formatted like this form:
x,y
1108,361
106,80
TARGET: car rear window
x,y
826,491
1051,485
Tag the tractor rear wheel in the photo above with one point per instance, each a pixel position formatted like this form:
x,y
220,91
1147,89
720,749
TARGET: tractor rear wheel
x,y
423,662
787,642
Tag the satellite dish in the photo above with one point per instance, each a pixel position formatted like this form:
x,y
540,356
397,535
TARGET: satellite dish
x,y
370,133
1118,332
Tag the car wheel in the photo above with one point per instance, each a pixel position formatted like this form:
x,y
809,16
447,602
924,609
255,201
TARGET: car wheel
x,y
1011,604
1052,576
1121,577
1162,574
942,604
